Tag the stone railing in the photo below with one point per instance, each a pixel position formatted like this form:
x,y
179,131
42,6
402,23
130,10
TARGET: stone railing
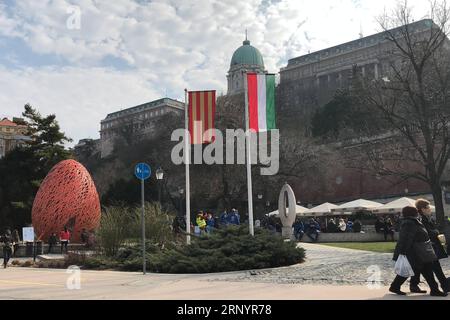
x,y
350,237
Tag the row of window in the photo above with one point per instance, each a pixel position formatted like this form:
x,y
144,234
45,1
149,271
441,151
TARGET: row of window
x,y
147,115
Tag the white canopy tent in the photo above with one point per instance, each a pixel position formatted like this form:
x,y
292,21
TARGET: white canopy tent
x,y
396,207
299,210
355,206
322,210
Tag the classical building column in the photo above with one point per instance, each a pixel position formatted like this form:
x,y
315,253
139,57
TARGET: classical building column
x,y
376,71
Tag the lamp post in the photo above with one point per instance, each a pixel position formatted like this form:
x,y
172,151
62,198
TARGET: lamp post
x,y
181,192
260,198
159,177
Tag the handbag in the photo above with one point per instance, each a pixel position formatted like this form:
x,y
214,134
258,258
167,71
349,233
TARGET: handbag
x,y
403,267
425,252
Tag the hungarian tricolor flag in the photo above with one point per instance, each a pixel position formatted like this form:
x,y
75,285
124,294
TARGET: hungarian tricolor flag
x,y
202,108
261,101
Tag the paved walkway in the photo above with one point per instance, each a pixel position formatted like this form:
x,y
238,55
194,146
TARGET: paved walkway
x,y
336,266
328,274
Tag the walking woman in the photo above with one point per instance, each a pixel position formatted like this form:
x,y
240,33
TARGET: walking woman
x,y
423,206
414,243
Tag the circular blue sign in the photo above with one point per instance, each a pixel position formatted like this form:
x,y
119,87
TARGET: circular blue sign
x,y
142,171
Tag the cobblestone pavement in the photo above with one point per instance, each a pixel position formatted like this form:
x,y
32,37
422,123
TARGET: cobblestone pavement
x,y
330,265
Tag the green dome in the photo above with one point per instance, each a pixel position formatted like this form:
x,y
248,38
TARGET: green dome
x,y
248,55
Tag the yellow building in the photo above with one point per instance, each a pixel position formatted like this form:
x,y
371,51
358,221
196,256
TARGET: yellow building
x,y
11,136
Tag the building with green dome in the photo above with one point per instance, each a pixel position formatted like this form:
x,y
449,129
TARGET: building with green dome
x,y
245,58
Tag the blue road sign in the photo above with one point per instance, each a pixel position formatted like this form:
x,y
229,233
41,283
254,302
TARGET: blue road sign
x,y
142,171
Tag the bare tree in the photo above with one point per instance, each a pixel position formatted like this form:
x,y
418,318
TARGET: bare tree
x,y
413,100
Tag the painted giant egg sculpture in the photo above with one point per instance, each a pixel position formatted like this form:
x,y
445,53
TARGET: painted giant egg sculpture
x,y
66,197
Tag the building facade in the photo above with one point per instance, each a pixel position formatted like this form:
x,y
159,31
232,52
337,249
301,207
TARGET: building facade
x,y
12,135
310,81
139,122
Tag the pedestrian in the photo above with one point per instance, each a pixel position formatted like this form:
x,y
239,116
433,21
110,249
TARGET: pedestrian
x,y
342,226
224,218
210,223
414,243
379,225
7,247
299,229
349,226
357,226
64,238
176,226
313,230
332,228
388,229
234,218
52,241
423,206
201,223
216,222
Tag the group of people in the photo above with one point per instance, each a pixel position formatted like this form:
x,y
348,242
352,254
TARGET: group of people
x,y
387,226
312,229
339,225
206,222
11,242
420,245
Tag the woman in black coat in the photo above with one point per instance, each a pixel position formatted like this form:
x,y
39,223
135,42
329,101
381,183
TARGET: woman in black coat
x,y
412,243
423,206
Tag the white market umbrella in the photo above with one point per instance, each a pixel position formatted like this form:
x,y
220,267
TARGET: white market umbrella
x,y
397,206
299,210
322,210
355,206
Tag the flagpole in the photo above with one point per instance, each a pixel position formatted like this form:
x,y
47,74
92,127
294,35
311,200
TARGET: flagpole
x,y
249,161
187,156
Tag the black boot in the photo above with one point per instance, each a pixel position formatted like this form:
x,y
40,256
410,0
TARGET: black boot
x,y
397,291
437,293
416,289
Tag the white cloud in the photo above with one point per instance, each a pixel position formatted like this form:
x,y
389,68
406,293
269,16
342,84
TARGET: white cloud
x,y
169,45
80,97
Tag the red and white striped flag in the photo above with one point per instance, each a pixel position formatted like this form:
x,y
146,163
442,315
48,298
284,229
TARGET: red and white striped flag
x,y
202,109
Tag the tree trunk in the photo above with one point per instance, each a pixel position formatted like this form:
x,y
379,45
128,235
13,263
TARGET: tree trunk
x,y
439,204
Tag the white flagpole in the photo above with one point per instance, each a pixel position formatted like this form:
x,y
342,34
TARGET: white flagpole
x,y
187,156
249,161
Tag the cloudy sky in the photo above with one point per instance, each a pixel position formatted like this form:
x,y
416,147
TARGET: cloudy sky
x,y
84,59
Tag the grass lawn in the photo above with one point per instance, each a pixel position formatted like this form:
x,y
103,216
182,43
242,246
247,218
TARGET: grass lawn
x,y
384,247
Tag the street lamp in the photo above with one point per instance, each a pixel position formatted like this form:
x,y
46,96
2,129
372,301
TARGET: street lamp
x,y
181,192
159,177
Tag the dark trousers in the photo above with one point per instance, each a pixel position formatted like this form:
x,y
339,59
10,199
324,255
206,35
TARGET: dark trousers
x,y
7,252
426,271
50,246
437,270
386,233
299,235
64,245
313,235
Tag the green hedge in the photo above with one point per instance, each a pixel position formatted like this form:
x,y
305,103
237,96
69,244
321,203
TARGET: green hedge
x,y
229,249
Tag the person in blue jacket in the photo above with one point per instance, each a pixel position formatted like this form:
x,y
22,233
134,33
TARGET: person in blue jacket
x,y
234,218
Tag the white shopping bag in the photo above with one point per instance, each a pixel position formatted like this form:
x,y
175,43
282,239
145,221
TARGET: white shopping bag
x,y
403,268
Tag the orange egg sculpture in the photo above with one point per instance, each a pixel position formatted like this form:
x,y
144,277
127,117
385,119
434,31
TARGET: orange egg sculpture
x,y
66,197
